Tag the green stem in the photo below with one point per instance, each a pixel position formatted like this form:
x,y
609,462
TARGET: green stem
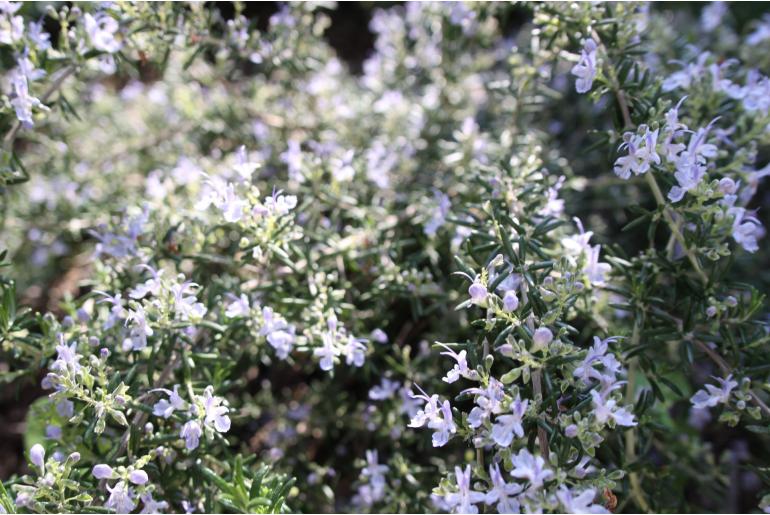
x,y
636,485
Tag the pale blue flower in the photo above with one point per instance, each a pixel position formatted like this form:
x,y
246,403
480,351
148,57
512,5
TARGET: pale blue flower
x,y
585,69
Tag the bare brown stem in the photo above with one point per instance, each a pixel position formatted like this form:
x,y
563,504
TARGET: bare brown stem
x,y
542,437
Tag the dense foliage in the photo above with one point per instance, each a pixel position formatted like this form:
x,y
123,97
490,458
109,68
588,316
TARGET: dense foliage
x,y
512,265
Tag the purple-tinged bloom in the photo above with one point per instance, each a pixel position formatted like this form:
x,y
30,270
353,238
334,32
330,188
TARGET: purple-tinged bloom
x,y
138,477
465,499
102,471
191,432
585,69
711,395
121,498
579,503
165,408
529,467
502,493
37,456
507,426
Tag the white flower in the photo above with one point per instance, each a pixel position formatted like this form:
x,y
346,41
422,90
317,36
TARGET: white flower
x,y
11,29
385,390
577,246
165,408
597,355
243,166
23,103
465,499
529,467
687,75
140,329
293,159
117,312
595,270
342,167
642,152
508,425
375,472
239,307
101,30
187,307
712,14
746,229
191,432
761,33
150,287
354,351
580,503
215,413
282,340
605,408
279,333
67,358
434,417
712,395
488,402
121,498
502,493
232,205
585,69
460,368
279,205
440,212
327,352
150,505
38,36
428,412
443,424
691,164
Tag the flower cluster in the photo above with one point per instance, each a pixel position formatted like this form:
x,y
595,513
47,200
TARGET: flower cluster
x,y
488,266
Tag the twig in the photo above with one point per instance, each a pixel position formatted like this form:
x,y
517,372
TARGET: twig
x,y
140,416
542,436
636,486
479,450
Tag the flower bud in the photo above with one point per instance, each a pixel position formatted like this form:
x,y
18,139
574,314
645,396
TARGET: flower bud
x,y
727,185
542,337
510,301
138,477
37,455
478,292
102,471
571,431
